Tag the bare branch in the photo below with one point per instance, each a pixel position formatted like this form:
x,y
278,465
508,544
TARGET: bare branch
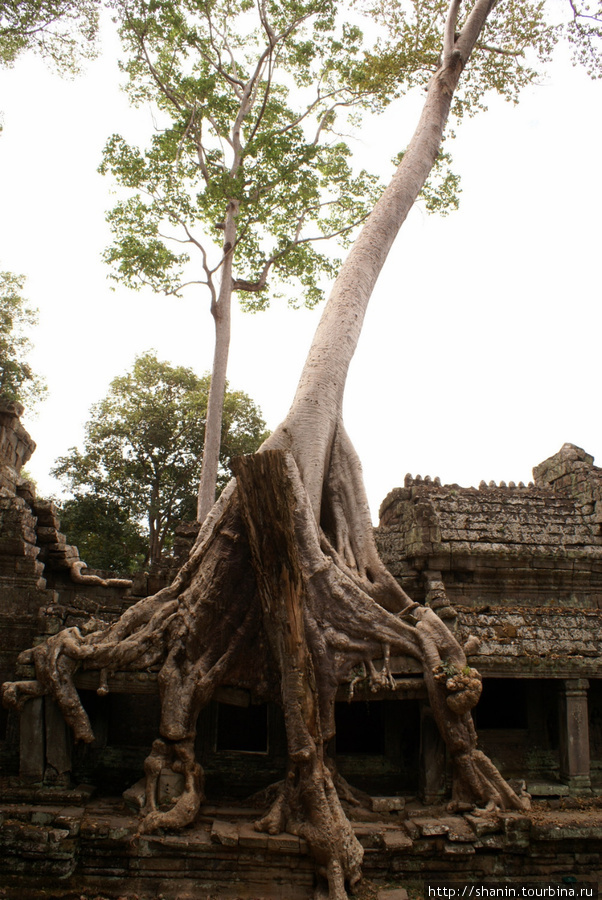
x,y
216,128
499,50
266,94
321,98
577,14
173,238
450,30
261,8
248,99
186,132
201,153
171,292
209,273
235,82
274,40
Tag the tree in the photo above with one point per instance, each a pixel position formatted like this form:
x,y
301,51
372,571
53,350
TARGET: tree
x,y
135,478
52,28
104,533
246,169
18,381
283,592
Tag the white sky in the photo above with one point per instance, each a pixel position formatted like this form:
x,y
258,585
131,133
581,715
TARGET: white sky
x,y
481,350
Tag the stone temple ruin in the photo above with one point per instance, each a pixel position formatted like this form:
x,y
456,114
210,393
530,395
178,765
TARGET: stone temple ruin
x,y
517,566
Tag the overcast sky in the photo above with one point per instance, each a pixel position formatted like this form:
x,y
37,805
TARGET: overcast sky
x,y
481,351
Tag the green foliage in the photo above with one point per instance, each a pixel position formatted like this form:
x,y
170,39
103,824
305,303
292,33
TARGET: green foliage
x,y
249,101
104,533
516,39
140,464
18,381
584,32
62,31
27,476
448,668
441,192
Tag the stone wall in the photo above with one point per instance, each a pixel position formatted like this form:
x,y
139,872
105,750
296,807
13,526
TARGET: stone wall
x,y
537,544
23,589
81,845
44,586
522,567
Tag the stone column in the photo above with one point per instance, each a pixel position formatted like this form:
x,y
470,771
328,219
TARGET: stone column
x,y
574,735
58,744
432,758
31,740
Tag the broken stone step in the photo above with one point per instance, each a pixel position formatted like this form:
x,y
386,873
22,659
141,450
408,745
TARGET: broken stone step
x,y
285,843
231,812
547,789
224,833
388,804
249,837
458,849
483,824
397,841
459,829
431,827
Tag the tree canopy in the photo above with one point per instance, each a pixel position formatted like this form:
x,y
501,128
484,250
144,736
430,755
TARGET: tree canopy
x,y
248,172
18,381
247,101
136,476
62,31
245,170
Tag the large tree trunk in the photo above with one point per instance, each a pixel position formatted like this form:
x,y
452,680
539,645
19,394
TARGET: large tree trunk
x,y
308,804
284,592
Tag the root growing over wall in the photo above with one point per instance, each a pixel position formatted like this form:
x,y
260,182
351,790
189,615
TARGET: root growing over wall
x,y
287,607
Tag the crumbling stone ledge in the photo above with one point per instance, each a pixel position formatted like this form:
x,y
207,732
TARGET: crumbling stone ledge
x,y
95,847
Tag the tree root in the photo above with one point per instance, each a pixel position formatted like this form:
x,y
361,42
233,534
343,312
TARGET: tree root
x,y
277,604
180,758
308,805
75,570
348,794
15,694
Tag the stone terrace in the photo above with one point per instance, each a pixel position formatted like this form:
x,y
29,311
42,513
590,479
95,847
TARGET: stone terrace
x,y
81,844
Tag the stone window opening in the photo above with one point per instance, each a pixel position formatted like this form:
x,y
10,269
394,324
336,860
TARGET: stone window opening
x,y
242,729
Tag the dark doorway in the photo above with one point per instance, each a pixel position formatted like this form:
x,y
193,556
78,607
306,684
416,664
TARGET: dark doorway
x,y
242,729
360,728
503,704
